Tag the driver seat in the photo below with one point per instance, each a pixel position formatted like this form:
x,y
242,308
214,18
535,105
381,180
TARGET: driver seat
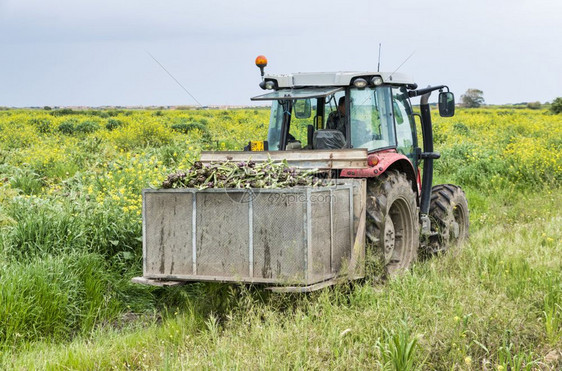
x,y
328,139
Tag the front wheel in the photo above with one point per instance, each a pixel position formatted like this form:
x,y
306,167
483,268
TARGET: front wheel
x,y
448,212
392,221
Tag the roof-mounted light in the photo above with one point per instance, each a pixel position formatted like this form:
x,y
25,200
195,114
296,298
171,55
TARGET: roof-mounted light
x,y
360,83
268,84
376,80
261,62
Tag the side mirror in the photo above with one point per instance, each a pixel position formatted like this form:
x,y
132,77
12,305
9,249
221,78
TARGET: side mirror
x,y
446,104
302,108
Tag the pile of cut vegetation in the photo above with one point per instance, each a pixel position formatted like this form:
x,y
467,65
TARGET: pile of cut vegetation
x,y
267,174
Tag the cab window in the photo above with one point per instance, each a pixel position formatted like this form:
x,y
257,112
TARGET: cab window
x,y
371,115
298,128
403,117
331,105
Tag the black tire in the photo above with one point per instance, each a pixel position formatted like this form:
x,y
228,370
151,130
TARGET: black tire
x,y
392,222
448,212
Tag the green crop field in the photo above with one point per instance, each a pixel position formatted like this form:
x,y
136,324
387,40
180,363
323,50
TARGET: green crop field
x,y
70,241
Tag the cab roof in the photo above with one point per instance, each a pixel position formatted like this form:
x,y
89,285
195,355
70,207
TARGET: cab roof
x,y
344,78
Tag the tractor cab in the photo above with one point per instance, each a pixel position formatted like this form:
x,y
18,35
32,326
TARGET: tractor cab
x,y
377,116
374,117
376,113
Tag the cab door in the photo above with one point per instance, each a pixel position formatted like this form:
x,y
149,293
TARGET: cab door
x,y
406,140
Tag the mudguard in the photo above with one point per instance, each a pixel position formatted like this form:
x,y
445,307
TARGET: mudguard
x,y
384,160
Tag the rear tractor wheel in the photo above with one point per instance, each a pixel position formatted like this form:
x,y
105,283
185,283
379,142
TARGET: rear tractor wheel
x,y
448,212
392,222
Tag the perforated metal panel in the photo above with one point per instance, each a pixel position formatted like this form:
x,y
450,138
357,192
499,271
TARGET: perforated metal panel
x,y
222,233
320,233
297,235
167,235
342,228
279,243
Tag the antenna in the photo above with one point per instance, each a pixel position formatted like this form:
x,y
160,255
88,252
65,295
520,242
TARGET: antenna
x,y
406,60
379,65
164,68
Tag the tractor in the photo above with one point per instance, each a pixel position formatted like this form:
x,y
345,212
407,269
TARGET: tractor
x,y
404,214
358,128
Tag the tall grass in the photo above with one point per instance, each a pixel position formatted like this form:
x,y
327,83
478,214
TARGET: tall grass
x,y
57,227
54,297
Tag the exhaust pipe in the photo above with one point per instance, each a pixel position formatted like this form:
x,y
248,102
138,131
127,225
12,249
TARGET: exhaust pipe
x,y
428,155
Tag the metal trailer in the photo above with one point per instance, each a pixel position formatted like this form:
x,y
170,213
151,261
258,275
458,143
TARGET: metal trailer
x,y
292,239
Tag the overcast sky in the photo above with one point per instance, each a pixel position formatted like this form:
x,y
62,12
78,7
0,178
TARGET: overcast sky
x,y
71,52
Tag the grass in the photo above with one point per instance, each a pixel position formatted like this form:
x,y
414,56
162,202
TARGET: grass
x,y
494,302
47,298
70,242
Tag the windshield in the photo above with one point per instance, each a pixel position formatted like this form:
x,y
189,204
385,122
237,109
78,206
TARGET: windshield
x,y
301,110
372,122
369,111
